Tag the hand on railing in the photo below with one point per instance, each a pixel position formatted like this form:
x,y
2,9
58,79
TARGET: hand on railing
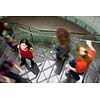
x,y
88,42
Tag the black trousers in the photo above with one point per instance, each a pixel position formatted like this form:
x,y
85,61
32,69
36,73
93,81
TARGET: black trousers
x,y
23,61
74,74
17,78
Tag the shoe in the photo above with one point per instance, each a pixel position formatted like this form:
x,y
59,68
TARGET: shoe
x,y
21,64
68,75
32,65
73,80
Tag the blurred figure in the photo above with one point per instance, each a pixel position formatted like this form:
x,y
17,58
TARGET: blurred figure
x,y
3,27
9,30
5,78
63,37
26,51
7,74
7,33
11,42
80,65
63,48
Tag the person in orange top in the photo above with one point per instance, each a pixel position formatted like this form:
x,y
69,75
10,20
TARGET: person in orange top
x,y
81,63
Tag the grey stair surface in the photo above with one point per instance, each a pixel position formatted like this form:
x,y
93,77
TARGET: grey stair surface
x,y
47,67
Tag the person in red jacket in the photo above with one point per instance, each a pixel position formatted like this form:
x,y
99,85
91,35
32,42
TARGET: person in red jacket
x,y
81,63
26,51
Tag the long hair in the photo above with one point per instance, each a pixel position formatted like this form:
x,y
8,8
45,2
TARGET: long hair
x,y
86,57
63,36
26,42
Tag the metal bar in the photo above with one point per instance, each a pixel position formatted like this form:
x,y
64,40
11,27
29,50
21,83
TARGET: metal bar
x,y
62,74
17,24
34,33
50,73
46,79
83,40
42,68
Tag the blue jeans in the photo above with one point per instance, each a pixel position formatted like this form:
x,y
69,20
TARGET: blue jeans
x,y
17,78
59,53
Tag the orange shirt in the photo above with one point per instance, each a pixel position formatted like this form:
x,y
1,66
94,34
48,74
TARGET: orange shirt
x,y
81,66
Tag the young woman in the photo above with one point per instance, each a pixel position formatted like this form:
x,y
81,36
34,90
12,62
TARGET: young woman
x,y
63,37
26,51
7,74
81,63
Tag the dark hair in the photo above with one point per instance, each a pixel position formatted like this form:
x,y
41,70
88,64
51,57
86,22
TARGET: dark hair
x,y
5,66
26,42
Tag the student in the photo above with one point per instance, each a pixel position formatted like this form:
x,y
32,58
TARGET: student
x,y
63,37
7,74
80,65
5,28
9,29
11,42
7,33
26,51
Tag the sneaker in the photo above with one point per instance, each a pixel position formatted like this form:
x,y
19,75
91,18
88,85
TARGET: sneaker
x,y
67,74
73,80
21,64
69,77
